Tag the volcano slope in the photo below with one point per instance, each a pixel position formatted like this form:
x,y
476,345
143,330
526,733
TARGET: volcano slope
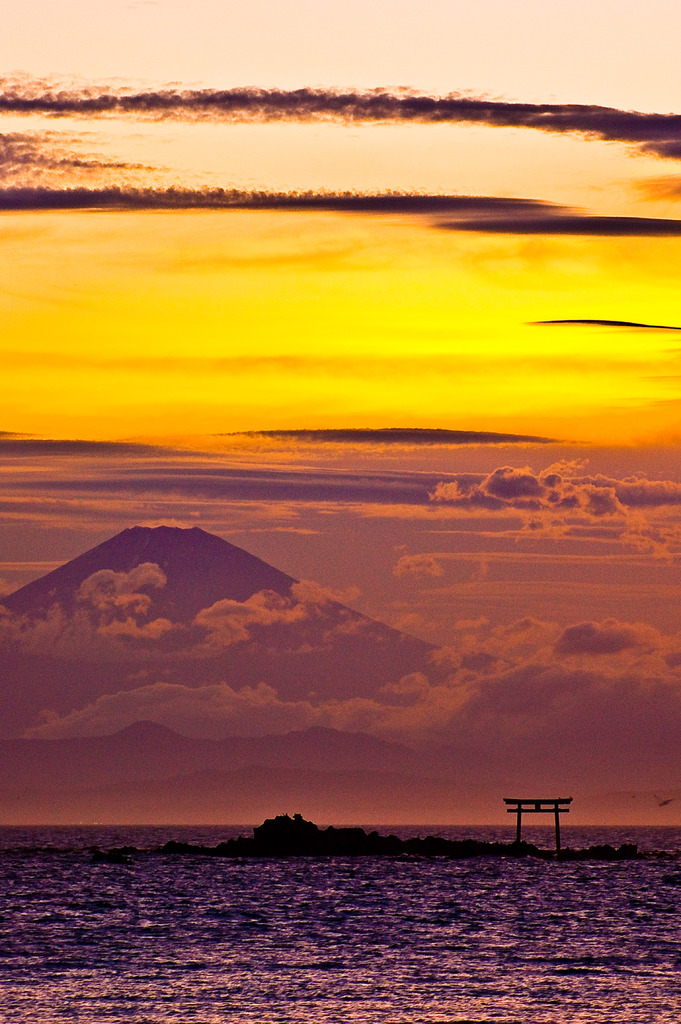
x,y
181,627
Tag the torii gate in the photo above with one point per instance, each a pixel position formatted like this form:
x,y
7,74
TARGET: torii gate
x,y
554,805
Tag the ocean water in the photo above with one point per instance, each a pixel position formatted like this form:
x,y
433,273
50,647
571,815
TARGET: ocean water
x,y
363,940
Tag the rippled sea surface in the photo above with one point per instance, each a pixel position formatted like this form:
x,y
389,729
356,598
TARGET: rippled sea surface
x,y
352,940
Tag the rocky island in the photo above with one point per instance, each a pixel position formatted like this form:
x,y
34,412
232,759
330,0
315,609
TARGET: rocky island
x,y
285,836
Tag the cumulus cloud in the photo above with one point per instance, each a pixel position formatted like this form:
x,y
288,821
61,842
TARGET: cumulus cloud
x,y
558,487
525,694
119,601
229,622
482,649
418,565
111,608
213,710
561,499
521,489
639,492
43,635
608,637
110,592
131,629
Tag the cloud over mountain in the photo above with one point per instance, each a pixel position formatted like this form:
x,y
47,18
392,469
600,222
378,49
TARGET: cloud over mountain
x,y
263,660
526,693
186,608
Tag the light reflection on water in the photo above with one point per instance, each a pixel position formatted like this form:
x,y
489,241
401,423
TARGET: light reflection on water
x,y
365,940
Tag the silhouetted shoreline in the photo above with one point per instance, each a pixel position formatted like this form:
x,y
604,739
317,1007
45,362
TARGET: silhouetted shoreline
x,y
284,836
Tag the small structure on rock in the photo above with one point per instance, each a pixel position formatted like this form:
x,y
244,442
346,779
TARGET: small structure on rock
x,y
553,805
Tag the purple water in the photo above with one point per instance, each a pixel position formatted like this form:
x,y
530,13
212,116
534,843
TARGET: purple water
x,y
366,940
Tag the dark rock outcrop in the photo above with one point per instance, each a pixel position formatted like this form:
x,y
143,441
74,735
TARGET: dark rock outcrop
x,y
284,836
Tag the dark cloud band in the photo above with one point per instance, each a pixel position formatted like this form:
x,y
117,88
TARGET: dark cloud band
x,y
20,445
396,435
34,153
605,323
659,134
488,214
122,197
571,224
563,495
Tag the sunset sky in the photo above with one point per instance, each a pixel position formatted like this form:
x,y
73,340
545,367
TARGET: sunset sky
x,y
224,221
128,322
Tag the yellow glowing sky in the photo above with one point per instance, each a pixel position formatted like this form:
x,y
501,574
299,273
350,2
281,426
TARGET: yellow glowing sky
x,y
120,324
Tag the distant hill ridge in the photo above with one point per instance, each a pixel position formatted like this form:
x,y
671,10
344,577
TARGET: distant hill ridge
x,y
147,750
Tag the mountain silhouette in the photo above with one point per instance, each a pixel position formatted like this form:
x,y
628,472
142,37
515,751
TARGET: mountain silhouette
x,y
200,569
169,624
147,751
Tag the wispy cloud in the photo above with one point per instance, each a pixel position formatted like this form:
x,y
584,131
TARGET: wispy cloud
x,y
125,197
473,213
395,436
21,446
250,484
369,367
559,223
605,323
667,187
487,214
659,134
28,156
